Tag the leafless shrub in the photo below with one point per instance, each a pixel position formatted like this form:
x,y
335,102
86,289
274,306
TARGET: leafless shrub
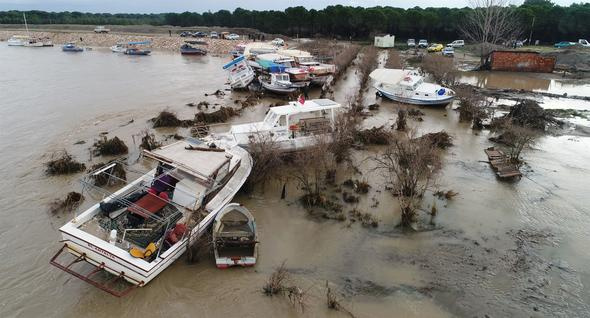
x,y
309,168
71,202
472,106
148,141
441,68
449,194
343,136
113,175
344,59
366,219
63,163
218,116
168,119
410,166
374,136
394,60
334,303
109,147
366,65
266,157
277,285
400,122
520,138
440,139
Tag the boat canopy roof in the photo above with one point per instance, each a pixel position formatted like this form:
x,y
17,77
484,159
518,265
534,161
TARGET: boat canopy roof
x,y
271,66
295,53
139,43
257,47
389,76
275,57
309,106
234,62
198,161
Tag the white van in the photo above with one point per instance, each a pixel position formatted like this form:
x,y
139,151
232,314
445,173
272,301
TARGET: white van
x,y
457,43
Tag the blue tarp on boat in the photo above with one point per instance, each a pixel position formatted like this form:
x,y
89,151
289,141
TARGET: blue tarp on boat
x,y
271,66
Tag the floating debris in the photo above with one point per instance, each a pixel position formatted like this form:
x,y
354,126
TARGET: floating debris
x,y
440,139
168,119
149,142
110,147
373,136
116,174
72,201
218,116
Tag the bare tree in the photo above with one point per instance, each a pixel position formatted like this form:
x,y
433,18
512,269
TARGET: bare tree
x,y
490,23
410,165
520,138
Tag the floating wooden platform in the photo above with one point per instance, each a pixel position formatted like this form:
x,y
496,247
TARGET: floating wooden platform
x,y
501,164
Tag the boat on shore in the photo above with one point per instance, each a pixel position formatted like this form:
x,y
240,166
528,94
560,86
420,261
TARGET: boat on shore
x,y
18,40
118,48
71,47
319,73
235,240
133,48
277,83
190,48
408,87
139,230
292,127
240,74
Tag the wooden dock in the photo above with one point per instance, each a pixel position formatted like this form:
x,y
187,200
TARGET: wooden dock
x,y
501,164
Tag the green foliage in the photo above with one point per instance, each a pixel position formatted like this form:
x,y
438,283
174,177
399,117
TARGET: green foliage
x,y
552,23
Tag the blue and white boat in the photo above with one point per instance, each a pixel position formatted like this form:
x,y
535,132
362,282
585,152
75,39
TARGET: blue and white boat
x,y
71,47
408,87
240,73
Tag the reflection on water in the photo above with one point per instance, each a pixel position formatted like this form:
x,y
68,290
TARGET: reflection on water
x,y
51,100
525,81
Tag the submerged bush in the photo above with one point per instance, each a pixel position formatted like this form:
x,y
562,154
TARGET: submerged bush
x,y
118,174
110,147
218,116
63,163
71,201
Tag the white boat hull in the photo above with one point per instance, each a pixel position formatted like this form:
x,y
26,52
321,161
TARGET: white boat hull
x,y
12,42
278,89
118,261
438,101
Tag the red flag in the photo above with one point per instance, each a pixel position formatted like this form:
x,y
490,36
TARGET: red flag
x,y
301,100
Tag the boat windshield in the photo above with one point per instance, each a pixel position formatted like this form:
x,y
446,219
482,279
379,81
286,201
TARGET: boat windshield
x,y
271,119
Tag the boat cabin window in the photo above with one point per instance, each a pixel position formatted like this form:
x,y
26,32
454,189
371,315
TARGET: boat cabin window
x,y
271,118
282,77
283,121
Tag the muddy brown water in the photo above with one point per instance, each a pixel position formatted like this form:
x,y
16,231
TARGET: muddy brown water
x,y
498,249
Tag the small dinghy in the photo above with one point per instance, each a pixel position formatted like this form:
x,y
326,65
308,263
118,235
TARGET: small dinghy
x,y
278,83
71,47
409,87
187,49
234,237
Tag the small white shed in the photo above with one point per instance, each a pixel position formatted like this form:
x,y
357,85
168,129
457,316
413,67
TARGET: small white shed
x,y
387,41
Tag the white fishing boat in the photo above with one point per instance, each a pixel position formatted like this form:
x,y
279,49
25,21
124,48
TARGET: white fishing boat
x,y
319,72
18,40
119,48
277,83
291,127
408,87
138,231
240,74
253,49
235,241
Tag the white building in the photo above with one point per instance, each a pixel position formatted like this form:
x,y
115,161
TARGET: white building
x,y
387,41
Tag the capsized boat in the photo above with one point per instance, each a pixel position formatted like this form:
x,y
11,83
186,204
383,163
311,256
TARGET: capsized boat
x,y
278,83
291,127
240,74
71,47
235,241
189,49
408,87
139,230
318,72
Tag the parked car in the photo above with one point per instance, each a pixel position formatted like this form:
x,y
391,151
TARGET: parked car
x,y
448,51
101,29
214,35
564,44
199,34
423,43
457,43
185,34
435,47
411,43
278,42
583,43
232,36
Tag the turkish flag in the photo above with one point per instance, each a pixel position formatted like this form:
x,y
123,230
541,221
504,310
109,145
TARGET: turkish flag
x,y
301,100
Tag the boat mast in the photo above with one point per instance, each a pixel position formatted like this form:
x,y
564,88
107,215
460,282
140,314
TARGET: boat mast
x,y
26,26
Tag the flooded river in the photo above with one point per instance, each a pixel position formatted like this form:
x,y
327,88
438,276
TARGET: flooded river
x,y
498,249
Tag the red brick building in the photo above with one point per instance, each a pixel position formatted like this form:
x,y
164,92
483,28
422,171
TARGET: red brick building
x,y
521,61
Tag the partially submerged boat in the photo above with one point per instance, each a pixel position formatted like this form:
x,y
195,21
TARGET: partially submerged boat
x,y
240,74
408,87
319,72
133,48
278,83
71,47
235,241
141,229
190,48
291,127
